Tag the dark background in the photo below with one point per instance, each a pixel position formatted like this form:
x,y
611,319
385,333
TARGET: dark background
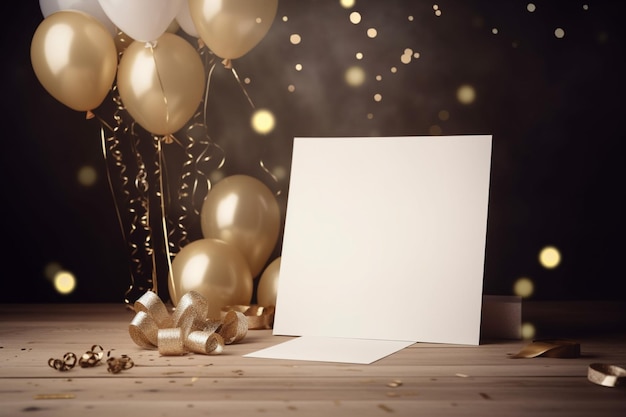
x,y
555,108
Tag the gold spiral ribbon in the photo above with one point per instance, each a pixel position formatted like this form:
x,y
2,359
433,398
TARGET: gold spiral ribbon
x,y
550,348
259,317
187,329
606,375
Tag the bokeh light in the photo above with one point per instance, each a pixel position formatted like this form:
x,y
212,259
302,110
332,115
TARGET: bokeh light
x,y
443,115
528,331
531,7
523,287
64,282
298,67
355,18
435,130
372,33
355,76
87,176
295,39
51,269
347,4
263,121
559,33
466,94
378,97
549,257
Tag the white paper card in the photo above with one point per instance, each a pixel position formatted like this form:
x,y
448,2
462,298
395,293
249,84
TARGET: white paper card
x,y
331,349
385,239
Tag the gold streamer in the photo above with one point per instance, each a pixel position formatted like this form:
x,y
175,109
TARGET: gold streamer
x,y
606,375
114,157
550,348
187,329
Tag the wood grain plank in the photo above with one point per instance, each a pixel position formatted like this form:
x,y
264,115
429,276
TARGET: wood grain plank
x,y
427,379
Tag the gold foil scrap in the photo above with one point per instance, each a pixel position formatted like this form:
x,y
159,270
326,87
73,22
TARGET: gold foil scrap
x,y
59,396
171,342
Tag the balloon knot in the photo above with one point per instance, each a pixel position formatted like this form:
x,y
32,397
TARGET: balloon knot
x,y
89,115
151,44
228,64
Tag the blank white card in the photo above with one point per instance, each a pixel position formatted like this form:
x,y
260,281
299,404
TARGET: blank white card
x,y
385,239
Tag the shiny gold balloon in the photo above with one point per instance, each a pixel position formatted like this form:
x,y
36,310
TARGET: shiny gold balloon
x,y
214,269
230,29
242,211
161,85
268,284
74,58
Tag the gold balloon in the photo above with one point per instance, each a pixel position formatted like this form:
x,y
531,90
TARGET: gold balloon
x,y
74,58
232,28
268,284
161,86
242,211
214,269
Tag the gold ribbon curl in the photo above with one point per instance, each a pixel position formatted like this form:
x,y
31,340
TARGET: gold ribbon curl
x,y
549,348
259,317
187,329
606,375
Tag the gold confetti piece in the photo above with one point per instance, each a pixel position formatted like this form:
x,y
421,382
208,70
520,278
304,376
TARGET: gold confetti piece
x,y
59,396
462,375
395,383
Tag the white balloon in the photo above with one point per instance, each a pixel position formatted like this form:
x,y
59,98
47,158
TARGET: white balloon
x,y
142,20
91,7
185,21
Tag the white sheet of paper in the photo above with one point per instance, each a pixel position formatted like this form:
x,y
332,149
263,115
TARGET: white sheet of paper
x,y
385,239
331,349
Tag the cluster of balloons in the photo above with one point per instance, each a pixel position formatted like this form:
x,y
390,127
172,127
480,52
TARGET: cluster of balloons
x,y
160,75
240,221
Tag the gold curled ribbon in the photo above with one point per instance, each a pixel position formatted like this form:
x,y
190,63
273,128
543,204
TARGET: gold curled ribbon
x,y
606,375
258,317
549,348
65,364
116,365
92,357
187,329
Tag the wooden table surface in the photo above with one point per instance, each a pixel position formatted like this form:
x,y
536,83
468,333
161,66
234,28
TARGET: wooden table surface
x,y
424,379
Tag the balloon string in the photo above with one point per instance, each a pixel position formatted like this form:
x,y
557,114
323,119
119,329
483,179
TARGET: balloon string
x,y
114,156
206,92
141,203
110,181
161,163
245,92
152,45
